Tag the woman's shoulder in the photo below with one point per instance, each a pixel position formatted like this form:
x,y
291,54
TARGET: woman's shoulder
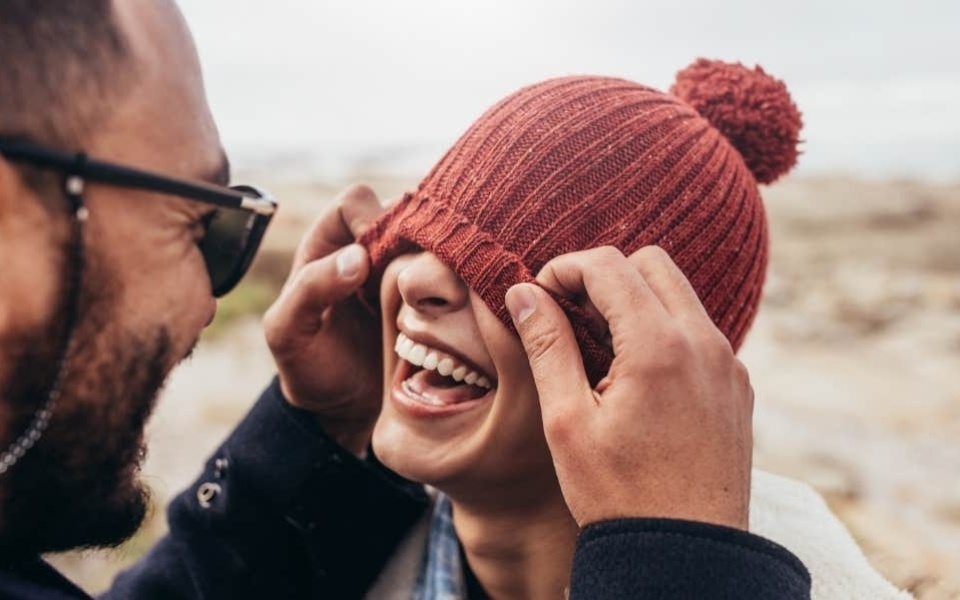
x,y
797,517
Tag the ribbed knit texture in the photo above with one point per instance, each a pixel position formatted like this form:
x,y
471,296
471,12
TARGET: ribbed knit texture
x,y
580,162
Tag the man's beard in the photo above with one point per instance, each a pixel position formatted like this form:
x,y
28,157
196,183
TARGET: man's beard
x,y
78,487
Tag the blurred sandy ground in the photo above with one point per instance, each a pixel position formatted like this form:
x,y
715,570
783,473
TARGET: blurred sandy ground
x,y
855,358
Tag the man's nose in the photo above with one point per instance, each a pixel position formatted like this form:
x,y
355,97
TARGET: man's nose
x,y
431,287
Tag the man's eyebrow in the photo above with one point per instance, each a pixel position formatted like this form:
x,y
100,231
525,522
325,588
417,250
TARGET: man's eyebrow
x,y
221,174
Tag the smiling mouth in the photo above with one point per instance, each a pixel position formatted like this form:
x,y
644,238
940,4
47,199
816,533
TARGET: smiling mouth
x,y
435,378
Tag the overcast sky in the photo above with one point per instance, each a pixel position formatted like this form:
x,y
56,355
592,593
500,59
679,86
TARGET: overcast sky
x,y
878,82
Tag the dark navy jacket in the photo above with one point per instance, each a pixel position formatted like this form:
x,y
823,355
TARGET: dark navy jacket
x,y
281,511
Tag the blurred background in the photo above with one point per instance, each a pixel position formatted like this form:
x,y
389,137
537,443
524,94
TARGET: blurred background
x,y
856,354
372,84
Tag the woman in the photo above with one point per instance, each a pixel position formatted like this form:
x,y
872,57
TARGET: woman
x,y
561,166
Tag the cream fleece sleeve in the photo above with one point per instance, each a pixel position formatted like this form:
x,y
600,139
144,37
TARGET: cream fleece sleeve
x,y
795,516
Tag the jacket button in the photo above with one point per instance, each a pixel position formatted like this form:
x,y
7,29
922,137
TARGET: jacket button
x,y
206,493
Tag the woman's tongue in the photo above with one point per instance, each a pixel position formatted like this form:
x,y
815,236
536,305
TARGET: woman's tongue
x,y
433,388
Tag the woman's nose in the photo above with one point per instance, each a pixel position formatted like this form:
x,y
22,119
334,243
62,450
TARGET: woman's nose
x,y
430,286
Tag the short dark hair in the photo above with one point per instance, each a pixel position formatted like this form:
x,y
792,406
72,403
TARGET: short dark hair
x,y
61,66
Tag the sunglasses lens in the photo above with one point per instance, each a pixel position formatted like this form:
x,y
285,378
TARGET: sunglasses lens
x,y
228,247
232,239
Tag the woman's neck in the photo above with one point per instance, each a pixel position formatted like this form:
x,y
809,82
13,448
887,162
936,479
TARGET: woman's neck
x,y
518,551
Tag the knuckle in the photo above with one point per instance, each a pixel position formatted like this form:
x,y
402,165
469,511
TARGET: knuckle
x,y
653,254
316,280
740,373
269,322
360,206
715,346
559,426
607,254
673,348
274,337
272,318
357,193
741,378
653,261
541,342
297,284
275,331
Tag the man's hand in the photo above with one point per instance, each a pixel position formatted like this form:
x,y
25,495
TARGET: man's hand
x,y
326,345
667,433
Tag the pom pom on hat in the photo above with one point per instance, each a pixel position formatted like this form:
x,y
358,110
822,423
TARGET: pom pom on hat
x,y
750,108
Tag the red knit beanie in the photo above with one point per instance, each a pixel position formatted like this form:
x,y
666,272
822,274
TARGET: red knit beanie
x,y
580,162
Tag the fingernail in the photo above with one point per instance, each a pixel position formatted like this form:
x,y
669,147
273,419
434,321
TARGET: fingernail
x,y
350,260
521,302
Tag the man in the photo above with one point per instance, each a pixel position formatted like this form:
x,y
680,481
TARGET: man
x,y
121,85
111,261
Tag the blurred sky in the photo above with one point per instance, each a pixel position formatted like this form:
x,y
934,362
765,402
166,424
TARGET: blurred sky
x,y
328,88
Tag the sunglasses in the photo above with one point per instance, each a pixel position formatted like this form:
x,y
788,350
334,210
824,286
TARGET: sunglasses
x,y
233,233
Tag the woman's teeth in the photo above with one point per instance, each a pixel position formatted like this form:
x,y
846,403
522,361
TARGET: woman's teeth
x,y
430,359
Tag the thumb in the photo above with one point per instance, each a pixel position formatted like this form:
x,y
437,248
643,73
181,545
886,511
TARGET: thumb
x,y
313,288
551,348
331,279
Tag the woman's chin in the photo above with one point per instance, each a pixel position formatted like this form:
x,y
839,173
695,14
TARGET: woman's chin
x,y
414,457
